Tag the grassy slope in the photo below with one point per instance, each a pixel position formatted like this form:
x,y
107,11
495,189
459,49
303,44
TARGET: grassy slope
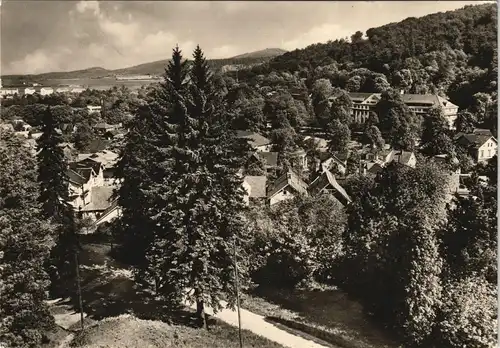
x,y
330,310
120,315
129,332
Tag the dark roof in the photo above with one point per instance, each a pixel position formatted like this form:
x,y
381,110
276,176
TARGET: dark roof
x,y
270,158
359,96
100,198
86,163
290,178
324,156
480,131
86,173
257,186
327,179
255,139
373,167
475,140
430,99
75,177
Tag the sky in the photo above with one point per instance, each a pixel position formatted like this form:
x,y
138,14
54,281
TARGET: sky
x,y
45,36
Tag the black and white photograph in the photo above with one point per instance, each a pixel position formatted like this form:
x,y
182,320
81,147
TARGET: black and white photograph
x,y
265,174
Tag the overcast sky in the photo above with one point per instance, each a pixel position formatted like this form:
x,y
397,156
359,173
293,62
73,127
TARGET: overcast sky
x,y
43,36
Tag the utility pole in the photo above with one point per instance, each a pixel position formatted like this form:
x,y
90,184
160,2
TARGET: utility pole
x,y
237,291
79,288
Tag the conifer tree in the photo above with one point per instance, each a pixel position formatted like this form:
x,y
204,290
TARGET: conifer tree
x,y
24,246
196,196
52,167
222,156
166,160
132,169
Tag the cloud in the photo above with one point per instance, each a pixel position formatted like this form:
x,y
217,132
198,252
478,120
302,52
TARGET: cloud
x,y
36,35
83,6
41,61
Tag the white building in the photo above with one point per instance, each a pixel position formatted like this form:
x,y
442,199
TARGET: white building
x,y
29,90
93,108
288,186
481,147
46,90
77,90
364,103
63,90
6,92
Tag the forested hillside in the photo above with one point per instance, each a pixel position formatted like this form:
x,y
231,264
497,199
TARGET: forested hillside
x,y
453,54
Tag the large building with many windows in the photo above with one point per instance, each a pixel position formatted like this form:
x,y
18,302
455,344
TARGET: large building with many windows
x,y
364,103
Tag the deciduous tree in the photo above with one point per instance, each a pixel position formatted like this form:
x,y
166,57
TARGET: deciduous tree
x,y
24,247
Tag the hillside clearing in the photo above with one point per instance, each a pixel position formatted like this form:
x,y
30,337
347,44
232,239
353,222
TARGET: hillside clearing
x,y
126,331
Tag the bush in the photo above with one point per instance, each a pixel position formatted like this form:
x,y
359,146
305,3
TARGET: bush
x,y
295,242
280,252
468,314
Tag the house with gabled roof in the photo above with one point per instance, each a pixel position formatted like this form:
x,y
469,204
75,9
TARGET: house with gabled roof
x,y
256,141
79,185
481,147
325,183
108,159
332,162
406,158
287,186
364,103
96,167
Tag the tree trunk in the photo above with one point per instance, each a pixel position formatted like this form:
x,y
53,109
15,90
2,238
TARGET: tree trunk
x,y
200,315
157,284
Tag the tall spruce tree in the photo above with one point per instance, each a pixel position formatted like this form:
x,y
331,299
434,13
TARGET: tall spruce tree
x,y
167,160
133,229
52,167
197,195
222,155
24,246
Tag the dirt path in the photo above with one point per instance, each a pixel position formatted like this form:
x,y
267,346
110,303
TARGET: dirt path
x,y
65,317
258,325
66,341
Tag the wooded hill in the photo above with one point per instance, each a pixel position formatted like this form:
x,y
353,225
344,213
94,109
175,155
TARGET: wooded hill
x,y
452,53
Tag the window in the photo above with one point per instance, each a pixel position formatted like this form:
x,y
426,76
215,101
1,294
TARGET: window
x,y
481,154
489,153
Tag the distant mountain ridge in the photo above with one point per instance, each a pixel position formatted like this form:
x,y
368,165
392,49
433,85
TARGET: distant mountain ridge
x,y
267,52
151,68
